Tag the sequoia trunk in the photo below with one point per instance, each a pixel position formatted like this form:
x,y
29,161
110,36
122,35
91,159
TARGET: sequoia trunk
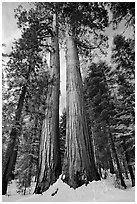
x,y
79,165
49,153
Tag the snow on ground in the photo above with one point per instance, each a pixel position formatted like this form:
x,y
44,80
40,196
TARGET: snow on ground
x,y
96,191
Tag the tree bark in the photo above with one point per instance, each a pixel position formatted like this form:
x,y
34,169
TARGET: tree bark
x,y
110,161
79,165
49,154
11,152
94,145
99,170
125,168
116,158
129,166
131,175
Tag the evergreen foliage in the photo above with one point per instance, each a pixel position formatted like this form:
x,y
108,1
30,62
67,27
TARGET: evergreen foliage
x,y
123,55
100,108
103,108
123,11
24,73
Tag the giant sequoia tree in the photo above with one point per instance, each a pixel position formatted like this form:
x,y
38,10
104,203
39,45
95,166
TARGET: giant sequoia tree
x,y
49,158
81,26
79,165
49,153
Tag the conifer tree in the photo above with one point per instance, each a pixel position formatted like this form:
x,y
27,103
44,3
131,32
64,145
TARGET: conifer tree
x,y
49,153
123,55
25,59
79,165
123,11
61,9
103,108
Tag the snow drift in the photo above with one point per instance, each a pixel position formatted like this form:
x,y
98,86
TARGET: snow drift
x,y
96,191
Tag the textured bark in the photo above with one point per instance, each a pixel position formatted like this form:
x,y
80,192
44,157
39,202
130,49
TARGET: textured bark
x,y
11,152
79,165
49,154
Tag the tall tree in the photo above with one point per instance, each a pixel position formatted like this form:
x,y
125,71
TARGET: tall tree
x,y
103,108
79,165
25,59
11,152
49,153
123,55
27,161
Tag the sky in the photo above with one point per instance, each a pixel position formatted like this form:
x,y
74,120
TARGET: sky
x,y
9,25
11,32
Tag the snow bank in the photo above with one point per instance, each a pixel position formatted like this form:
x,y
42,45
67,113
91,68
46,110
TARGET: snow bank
x,y
96,191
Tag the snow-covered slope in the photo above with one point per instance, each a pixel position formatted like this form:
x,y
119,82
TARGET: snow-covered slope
x,y
96,191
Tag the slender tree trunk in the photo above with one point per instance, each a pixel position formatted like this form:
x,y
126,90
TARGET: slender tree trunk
x,y
116,159
111,166
129,166
49,154
30,167
94,145
30,171
125,168
99,170
113,146
131,175
79,165
11,152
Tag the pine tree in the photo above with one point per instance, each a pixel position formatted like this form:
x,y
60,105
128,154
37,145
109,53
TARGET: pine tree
x,y
24,60
11,152
102,107
123,55
27,161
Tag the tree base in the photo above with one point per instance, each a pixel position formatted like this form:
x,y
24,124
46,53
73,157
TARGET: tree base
x,y
47,181
4,186
78,179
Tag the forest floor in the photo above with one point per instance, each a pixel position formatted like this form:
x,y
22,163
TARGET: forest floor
x,y
96,191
